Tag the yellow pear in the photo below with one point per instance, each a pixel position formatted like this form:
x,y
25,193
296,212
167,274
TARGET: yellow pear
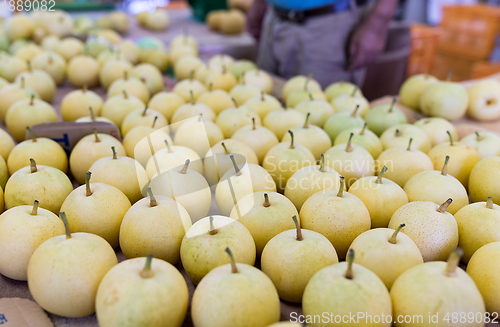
x,y
109,54
341,121
402,164
312,137
48,185
344,290
26,113
412,89
184,39
320,110
133,86
88,150
202,248
430,226
345,102
202,71
232,119
297,83
217,100
260,79
281,120
113,70
242,92
339,216
484,100
65,271
240,181
185,87
4,175
284,159
150,75
184,67
350,160
45,151
12,93
362,137
219,61
92,118
381,196
76,104
136,142
217,160
118,107
23,229
188,187
11,66
241,66
159,58
49,42
263,104
173,156
124,173
309,180
440,292
19,27
300,95
437,186
400,135
335,89
89,203
259,138
69,48
478,224
188,110
448,100
265,215
240,286
83,70
285,256
131,52
484,180
166,103
156,226
40,81
157,20
51,63
437,129
198,134
28,51
143,117
464,159
6,144
487,144
386,252
483,269
157,290
381,117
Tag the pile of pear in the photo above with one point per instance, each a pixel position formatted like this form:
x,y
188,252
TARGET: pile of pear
x,y
343,208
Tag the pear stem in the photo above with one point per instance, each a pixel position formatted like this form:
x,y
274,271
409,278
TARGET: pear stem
x,y
22,82
253,123
191,75
379,178
212,230
262,98
185,168
32,100
452,262
33,167
210,87
442,208
200,117
88,191
391,108
348,147
191,96
154,122
34,212
409,145
236,169
306,83
125,75
394,236
144,111
478,137
125,95
444,171
84,88
310,96
267,203
292,146
92,114
354,91
398,133
448,76
152,200
322,164
234,269
355,112
169,149
235,103
489,203
33,137
340,194
363,129
97,139
225,149
30,68
299,230
306,123
451,138
350,259
147,272
66,225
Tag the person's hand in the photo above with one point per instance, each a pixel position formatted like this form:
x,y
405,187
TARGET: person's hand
x,y
367,43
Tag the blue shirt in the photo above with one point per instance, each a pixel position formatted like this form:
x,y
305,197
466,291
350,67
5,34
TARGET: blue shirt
x,y
303,4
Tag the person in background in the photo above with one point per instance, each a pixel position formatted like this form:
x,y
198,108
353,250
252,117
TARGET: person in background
x,y
331,39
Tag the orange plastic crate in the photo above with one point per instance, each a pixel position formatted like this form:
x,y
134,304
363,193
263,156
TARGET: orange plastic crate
x,y
469,31
484,69
424,40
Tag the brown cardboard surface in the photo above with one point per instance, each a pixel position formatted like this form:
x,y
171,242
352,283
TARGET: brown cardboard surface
x,y
17,312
